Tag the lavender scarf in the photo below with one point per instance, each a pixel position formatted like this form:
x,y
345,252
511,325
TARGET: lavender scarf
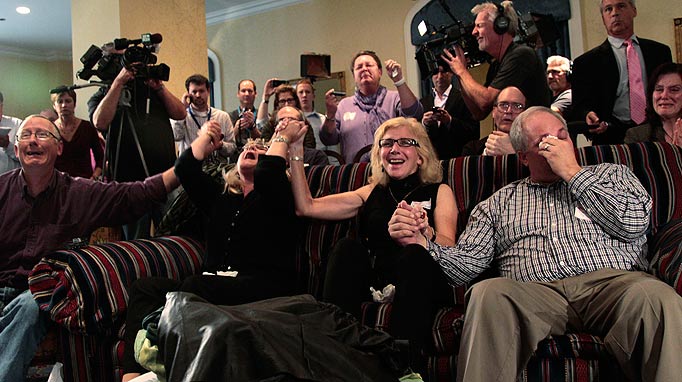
x,y
372,106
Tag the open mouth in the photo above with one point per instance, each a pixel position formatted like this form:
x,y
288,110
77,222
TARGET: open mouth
x,y
250,155
33,153
396,161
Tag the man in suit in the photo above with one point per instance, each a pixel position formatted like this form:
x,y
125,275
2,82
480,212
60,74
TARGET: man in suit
x,y
447,119
601,81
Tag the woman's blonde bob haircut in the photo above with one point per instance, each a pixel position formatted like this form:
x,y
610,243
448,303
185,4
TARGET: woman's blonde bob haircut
x,y
430,171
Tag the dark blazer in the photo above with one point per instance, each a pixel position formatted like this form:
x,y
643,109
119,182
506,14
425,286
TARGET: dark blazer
x,y
595,80
449,140
645,133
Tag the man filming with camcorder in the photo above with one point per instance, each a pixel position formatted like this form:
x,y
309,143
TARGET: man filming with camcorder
x,y
134,112
513,64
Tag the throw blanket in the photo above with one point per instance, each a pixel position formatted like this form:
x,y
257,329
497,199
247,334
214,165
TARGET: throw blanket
x,y
286,338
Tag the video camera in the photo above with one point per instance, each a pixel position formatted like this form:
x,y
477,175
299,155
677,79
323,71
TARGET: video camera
x,y
429,54
138,54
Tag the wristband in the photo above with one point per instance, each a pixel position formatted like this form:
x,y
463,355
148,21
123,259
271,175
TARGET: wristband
x,y
399,82
265,100
296,158
281,138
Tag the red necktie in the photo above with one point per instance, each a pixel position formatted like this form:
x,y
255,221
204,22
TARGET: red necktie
x,y
637,99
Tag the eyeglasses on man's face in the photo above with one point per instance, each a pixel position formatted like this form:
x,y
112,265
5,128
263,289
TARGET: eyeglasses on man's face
x,y
505,107
286,101
41,135
402,142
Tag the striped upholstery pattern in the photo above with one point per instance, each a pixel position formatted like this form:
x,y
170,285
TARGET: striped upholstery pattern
x,y
84,289
320,236
666,255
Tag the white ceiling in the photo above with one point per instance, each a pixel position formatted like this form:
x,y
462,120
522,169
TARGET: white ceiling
x,y
45,33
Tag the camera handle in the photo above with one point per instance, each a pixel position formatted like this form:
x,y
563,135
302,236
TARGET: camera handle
x,y
124,103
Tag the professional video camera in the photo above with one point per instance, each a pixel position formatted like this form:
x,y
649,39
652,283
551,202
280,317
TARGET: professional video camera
x,y
138,54
429,54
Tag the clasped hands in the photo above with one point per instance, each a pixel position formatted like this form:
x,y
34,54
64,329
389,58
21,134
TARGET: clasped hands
x,y
409,225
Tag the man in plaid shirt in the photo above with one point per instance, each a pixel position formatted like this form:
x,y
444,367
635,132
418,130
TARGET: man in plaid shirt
x,y
570,245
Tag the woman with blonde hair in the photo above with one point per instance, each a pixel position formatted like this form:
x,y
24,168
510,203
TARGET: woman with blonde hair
x,y
405,170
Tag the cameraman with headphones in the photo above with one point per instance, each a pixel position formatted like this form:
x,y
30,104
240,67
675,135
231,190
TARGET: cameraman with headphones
x,y
138,109
512,65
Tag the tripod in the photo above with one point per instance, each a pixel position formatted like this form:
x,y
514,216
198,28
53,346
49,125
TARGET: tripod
x,y
125,107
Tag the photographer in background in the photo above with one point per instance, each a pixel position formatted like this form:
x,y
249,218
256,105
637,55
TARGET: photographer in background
x,y
199,111
447,119
138,110
512,65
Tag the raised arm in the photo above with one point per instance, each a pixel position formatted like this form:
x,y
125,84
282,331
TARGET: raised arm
x,y
175,108
478,98
332,207
106,109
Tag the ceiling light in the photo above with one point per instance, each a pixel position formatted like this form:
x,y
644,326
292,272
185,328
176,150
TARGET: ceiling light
x,y
23,10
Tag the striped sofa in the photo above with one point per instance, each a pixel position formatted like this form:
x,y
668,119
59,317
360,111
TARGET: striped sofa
x,y
84,293
84,290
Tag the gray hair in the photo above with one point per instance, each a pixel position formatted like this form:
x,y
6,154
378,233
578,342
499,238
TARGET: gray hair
x,y
601,2
518,133
491,9
563,62
32,116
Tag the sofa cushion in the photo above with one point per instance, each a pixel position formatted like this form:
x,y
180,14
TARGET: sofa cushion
x,y
666,254
85,290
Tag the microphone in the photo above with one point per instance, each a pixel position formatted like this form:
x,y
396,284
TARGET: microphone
x,y
147,39
61,89
66,88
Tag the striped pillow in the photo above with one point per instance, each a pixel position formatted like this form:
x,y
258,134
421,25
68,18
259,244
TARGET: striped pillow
x,y
85,290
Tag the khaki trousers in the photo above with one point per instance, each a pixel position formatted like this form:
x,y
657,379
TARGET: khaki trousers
x,y
638,316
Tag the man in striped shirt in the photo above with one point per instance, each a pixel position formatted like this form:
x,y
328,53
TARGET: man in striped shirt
x,y
570,245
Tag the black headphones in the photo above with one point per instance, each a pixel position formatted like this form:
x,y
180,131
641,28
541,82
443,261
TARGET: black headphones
x,y
501,22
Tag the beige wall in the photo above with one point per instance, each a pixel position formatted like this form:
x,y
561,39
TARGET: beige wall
x,y
26,83
180,22
270,44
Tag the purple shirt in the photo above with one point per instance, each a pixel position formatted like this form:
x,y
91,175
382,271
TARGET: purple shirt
x,y
70,207
353,130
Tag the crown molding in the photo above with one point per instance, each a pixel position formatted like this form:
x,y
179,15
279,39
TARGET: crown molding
x,y
32,54
248,9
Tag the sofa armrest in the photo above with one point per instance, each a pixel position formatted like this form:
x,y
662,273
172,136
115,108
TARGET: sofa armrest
x,y
666,254
85,289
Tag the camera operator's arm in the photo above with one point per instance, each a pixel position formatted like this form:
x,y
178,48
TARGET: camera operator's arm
x,y
105,111
478,98
173,105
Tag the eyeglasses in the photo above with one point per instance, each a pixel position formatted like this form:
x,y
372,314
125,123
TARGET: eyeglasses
x,y
41,135
402,142
284,101
505,107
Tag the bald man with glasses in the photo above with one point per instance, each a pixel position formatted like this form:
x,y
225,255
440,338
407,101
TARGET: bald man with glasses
x,y
44,210
508,105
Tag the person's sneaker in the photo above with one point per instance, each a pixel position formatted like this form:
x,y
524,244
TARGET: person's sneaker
x,y
412,377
